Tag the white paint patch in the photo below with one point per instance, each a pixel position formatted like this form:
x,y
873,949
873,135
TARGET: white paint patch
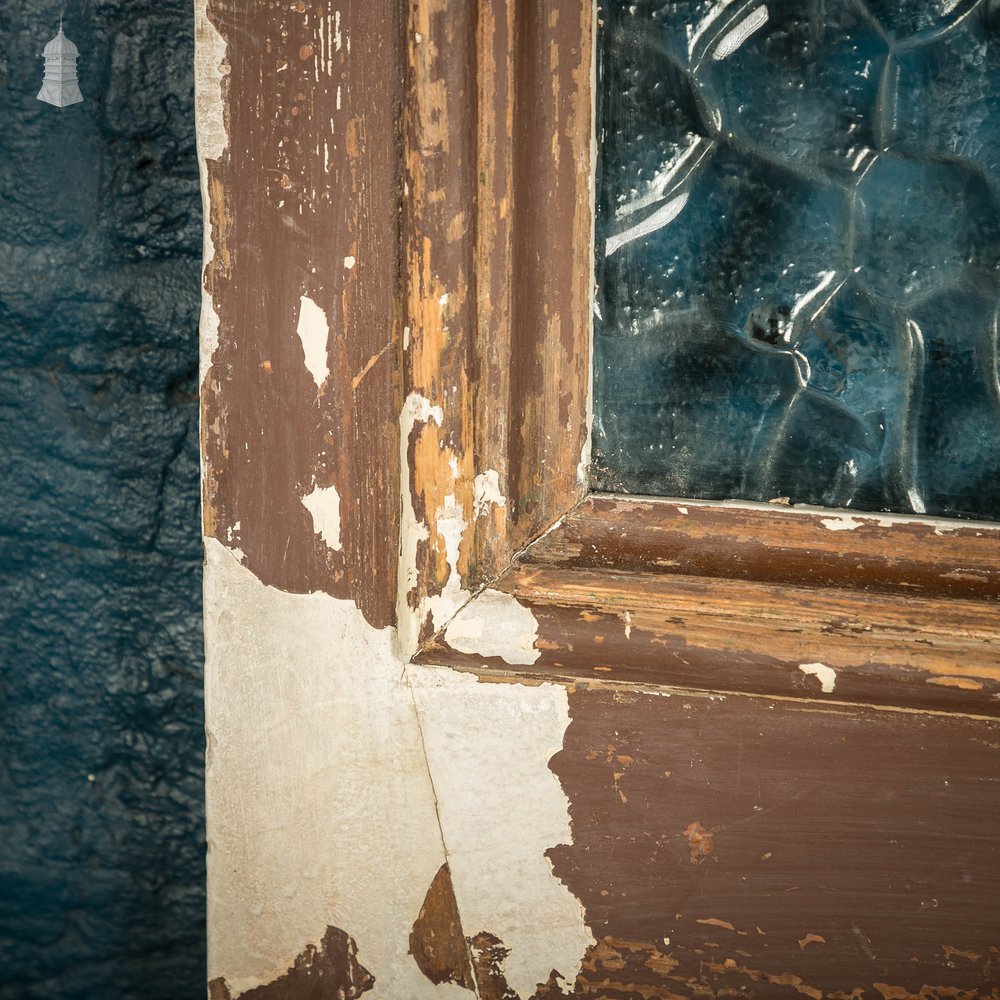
x,y
501,807
451,525
314,332
418,410
210,67
324,506
841,523
486,493
826,676
495,624
320,807
349,262
734,39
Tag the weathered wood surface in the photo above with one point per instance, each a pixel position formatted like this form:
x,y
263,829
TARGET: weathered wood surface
x,y
769,543
397,320
846,608
439,310
300,401
498,220
552,264
740,847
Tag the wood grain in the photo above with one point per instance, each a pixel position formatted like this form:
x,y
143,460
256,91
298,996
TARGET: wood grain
x,y
439,302
734,847
552,265
497,247
760,601
816,548
299,194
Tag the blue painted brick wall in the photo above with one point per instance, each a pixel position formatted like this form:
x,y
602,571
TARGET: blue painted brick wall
x,y
101,728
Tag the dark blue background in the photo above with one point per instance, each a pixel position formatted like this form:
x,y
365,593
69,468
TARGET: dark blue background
x,y
101,727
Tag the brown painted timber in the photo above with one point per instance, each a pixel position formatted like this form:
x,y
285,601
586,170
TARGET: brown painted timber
x,y
815,548
552,263
439,157
721,598
740,847
495,55
330,971
762,849
497,247
300,208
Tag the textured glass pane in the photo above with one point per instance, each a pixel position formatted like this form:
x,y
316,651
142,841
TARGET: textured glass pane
x,y
799,251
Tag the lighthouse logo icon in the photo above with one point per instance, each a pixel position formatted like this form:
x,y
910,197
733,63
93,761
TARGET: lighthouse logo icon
x,y
59,86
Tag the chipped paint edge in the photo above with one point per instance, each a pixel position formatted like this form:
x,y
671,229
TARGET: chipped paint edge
x,y
840,519
826,676
211,140
337,681
502,808
495,624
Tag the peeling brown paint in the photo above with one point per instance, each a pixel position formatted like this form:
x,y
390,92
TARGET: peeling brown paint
x,y
619,589
291,198
488,954
612,969
330,972
439,165
926,992
552,262
496,167
877,827
437,942
218,990
903,555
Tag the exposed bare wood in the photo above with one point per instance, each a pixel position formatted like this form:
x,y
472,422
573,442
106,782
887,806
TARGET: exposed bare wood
x,y
494,258
816,548
552,264
439,310
730,599
305,248
496,368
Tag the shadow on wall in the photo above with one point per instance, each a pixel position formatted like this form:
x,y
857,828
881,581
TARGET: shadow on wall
x,y
102,857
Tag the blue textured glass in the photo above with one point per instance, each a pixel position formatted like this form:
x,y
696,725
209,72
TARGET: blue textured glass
x,y
798,253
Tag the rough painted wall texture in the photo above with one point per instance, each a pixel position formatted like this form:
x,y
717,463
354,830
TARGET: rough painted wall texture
x,y
101,863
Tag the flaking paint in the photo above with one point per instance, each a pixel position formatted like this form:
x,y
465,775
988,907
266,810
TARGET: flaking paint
x,y
323,503
486,493
502,809
495,624
321,811
314,333
826,676
211,69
